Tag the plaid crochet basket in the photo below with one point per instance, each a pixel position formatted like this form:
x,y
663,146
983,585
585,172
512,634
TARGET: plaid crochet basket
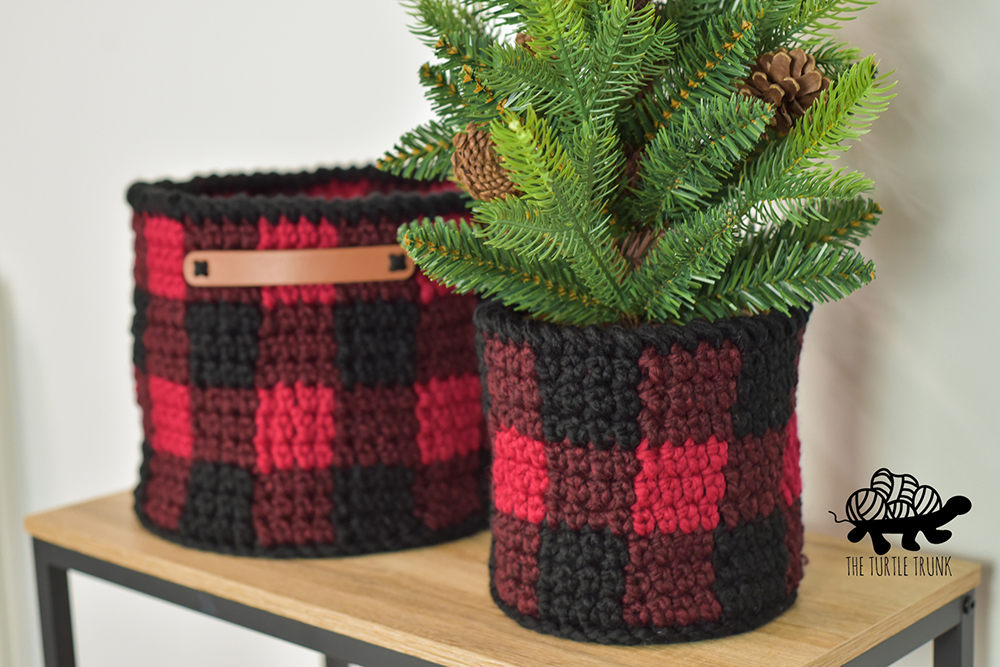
x,y
646,480
302,420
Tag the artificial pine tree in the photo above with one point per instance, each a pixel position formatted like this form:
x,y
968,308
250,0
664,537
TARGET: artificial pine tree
x,y
642,161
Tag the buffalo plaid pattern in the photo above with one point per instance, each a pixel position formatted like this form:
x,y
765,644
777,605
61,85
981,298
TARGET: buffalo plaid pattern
x,y
312,420
646,481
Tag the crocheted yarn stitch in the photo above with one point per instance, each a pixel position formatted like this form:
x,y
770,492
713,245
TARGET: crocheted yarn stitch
x,y
646,480
314,420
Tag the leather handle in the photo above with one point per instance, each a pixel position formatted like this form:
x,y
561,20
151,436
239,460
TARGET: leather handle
x,y
308,266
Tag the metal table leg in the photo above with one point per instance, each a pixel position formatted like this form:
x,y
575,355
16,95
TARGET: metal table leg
x,y
954,648
52,563
53,606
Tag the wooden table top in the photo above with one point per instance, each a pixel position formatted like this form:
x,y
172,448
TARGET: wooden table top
x,y
434,603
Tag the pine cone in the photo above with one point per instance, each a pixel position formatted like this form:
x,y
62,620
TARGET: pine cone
x,y
477,166
789,80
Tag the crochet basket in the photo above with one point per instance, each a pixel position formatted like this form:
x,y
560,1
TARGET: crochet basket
x,y
646,480
302,420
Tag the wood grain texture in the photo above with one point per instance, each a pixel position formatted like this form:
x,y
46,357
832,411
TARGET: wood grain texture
x,y
434,602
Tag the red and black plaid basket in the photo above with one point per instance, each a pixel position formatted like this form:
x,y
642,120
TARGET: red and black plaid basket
x,y
646,480
312,420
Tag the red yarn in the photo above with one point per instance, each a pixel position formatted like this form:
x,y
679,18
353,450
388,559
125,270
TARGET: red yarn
x,y
287,236
753,477
591,487
520,475
165,257
515,547
166,490
791,480
679,487
429,289
512,382
669,580
446,492
294,507
688,395
295,427
171,417
450,413
166,340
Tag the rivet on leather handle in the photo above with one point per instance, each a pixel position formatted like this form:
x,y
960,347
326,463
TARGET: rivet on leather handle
x,y
309,266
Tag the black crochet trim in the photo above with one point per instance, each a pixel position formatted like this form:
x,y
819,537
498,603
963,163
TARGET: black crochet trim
x,y
272,195
647,635
747,333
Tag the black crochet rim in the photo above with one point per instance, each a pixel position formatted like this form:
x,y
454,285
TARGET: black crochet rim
x,y
472,524
637,635
273,195
746,332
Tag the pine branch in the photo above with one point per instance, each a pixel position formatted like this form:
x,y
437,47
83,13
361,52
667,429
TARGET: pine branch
x,y
626,50
843,223
687,256
539,165
524,80
423,153
770,273
843,113
833,58
452,20
648,189
443,93
817,18
557,29
689,159
451,253
711,58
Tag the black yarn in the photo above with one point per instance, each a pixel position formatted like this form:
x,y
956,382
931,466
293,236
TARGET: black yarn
x,y
750,564
765,390
377,342
218,507
140,321
373,509
223,340
139,495
587,379
581,579
249,197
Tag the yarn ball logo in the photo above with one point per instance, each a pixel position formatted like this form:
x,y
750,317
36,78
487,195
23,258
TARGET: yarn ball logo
x,y
899,505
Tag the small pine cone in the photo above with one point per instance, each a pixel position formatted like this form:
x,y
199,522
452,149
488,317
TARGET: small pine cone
x,y
477,167
788,80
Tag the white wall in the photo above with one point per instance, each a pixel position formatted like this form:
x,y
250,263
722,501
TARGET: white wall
x,y
100,93
904,374
97,94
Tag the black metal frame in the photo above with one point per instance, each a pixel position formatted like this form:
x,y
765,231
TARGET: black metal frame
x,y
53,562
951,626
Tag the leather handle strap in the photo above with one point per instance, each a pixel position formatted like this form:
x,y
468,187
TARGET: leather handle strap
x,y
308,266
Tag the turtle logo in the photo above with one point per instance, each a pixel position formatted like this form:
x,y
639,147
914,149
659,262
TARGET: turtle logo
x,y
899,505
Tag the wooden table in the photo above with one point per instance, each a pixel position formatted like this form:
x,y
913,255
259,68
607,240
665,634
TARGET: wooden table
x,y
432,606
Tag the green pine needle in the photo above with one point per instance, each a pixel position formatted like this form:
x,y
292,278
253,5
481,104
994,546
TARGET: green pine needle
x,y
645,187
